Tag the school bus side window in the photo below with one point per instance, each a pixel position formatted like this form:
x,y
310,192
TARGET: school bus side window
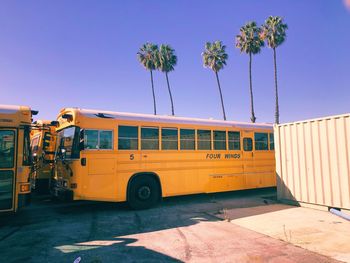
x,y
219,140
91,139
128,137
204,139
272,142
106,140
261,141
98,139
169,138
187,139
234,142
150,138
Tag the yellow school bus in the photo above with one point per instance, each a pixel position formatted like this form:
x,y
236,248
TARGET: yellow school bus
x,y
139,158
42,143
15,157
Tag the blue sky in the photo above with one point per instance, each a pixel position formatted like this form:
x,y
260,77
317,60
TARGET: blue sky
x,y
56,54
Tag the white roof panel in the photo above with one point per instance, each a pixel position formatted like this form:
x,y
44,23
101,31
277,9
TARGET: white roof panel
x,y
169,119
9,109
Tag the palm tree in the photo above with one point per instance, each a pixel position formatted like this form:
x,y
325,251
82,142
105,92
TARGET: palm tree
x,y
166,62
214,57
148,56
249,42
274,32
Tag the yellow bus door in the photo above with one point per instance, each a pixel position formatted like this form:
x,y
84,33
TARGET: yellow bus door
x,y
7,169
251,177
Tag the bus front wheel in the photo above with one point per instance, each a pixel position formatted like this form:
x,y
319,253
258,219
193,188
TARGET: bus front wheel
x,y
143,192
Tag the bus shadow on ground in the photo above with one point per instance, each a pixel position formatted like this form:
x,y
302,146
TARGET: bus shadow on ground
x,y
173,213
113,250
111,235
196,202
109,232
44,209
95,232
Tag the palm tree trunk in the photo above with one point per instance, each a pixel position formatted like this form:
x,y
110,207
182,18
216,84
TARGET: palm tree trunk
x,y
154,97
277,112
171,97
222,101
252,118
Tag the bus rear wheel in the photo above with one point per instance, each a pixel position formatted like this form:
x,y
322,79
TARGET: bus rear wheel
x,y
143,192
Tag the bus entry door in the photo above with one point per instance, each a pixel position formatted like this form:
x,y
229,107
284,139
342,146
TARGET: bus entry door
x,y
7,169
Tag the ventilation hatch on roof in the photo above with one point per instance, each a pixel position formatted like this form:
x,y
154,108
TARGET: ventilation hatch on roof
x,y
103,115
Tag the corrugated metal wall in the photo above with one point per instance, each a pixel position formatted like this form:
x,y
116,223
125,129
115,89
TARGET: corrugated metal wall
x,y
313,161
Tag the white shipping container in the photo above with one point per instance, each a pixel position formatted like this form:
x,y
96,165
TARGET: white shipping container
x,y
313,161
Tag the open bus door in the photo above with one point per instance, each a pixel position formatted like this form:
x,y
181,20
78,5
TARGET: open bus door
x,y
8,169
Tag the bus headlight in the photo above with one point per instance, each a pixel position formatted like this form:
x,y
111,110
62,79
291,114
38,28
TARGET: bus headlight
x,y
65,184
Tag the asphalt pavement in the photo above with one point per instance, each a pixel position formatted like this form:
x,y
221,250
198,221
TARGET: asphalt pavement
x,y
180,229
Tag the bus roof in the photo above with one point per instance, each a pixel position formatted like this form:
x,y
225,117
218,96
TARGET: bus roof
x,y
9,109
97,114
14,115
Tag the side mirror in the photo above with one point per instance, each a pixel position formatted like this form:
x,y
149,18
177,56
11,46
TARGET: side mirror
x,y
63,153
35,158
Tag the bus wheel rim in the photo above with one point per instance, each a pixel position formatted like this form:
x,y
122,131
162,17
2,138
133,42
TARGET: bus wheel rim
x,y
144,192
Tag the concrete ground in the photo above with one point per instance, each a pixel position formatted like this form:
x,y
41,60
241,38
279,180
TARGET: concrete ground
x,y
314,230
181,229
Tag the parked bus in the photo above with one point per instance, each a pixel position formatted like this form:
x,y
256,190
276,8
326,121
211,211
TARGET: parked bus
x,y
15,157
138,158
43,143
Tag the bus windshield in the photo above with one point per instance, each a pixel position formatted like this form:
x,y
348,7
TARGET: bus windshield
x,y
68,139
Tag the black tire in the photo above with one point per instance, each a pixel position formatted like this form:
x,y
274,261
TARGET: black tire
x,y
143,192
